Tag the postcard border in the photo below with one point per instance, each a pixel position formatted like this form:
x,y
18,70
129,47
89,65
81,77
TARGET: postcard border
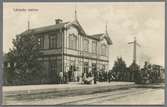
x,y
1,44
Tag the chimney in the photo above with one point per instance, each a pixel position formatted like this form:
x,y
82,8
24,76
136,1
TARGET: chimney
x,y
58,21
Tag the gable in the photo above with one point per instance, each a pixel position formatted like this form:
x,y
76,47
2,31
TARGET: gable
x,y
109,41
103,41
76,24
81,31
72,30
103,37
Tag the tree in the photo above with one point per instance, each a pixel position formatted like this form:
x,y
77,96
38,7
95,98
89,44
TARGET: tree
x,y
119,68
25,59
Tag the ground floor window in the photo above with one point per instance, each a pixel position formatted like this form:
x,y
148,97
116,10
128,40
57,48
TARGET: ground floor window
x,y
94,66
55,67
71,73
52,70
86,68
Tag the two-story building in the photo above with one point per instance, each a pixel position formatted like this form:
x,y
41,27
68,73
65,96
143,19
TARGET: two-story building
x,y
67,48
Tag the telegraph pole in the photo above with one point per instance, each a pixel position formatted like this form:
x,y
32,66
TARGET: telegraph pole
x,y
28,24
135,44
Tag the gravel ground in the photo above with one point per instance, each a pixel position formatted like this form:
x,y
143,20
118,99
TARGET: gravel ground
x,y
114,93
133,96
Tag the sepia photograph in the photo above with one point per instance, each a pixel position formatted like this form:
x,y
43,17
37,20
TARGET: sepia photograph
x,y
96,53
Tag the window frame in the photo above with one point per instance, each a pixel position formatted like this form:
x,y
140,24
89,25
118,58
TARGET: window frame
x,y
86,67
52,41
94,47
53,65
73,41
58,41
86,45
104,50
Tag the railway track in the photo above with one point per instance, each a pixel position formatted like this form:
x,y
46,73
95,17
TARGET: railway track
x,y
98,98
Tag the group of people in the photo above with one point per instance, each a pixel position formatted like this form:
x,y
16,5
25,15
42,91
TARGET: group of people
x,y
69,76
147,74
76,76
101,76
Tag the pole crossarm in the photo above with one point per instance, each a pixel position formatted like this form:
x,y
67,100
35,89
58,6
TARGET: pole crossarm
x,y
138,44
130,42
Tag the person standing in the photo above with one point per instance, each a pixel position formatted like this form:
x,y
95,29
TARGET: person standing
x,y
61,77
75,76
84,77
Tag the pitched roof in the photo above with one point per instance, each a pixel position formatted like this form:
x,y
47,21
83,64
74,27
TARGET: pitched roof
x,y
97,36
100,36
75,23
45,28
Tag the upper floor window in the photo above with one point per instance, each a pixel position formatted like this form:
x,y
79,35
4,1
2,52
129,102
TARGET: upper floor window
x,y
86,45
53,41
72,41
94,47
59,41
41,42
103,50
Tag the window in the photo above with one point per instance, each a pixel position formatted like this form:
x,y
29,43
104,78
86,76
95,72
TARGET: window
x,y
59,41
94,67
59,64
41,42
52,41
52,76
86,45
72,41
53,66
103,50
86,68
94,46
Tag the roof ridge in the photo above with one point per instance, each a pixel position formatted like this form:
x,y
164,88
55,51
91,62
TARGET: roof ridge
x,y
96,34
45,28
50,25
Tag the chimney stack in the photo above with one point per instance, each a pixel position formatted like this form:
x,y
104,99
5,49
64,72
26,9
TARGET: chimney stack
x,y
58,21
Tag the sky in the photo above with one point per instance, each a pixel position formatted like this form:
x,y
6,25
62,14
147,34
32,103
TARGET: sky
x,y
145,21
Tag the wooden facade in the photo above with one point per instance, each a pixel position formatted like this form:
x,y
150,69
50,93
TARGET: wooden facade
x,y
66,47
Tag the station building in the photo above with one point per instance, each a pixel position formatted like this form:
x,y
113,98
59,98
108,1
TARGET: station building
x,y
66,47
